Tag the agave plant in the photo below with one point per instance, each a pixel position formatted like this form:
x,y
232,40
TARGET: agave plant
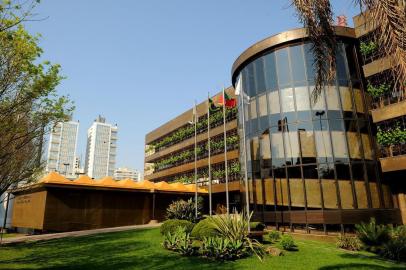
x,y
234,227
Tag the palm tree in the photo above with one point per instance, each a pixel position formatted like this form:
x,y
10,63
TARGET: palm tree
x,y
389,17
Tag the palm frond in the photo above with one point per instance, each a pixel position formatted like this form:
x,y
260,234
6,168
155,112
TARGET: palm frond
x,y
317,17
389,19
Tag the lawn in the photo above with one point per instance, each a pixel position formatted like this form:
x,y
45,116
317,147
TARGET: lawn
x,y
141,249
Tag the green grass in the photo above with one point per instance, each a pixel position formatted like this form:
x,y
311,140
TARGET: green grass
x,y
141,249
8,235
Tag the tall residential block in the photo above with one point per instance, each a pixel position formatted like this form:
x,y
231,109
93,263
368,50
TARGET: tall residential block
x,y
101,149
62,148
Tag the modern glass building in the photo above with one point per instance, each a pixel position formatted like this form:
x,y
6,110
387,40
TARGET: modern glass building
x,y
311,162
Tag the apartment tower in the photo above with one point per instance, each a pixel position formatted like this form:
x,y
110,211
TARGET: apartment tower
x,y
101,149
62,148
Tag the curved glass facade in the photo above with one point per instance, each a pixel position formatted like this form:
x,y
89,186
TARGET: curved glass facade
x,y
306,154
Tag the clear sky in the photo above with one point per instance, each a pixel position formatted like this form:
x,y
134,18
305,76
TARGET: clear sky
x,y
140,63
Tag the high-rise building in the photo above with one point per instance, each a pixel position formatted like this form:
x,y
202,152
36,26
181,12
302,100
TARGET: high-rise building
x,y
62,148
101,149
126,173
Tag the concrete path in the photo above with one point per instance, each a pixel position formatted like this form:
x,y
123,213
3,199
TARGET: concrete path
x,y
42,237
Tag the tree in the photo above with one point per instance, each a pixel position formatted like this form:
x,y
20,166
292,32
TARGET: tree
x,y
389,17
29,104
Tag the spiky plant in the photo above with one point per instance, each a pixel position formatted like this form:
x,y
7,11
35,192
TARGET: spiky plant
x,y
235,228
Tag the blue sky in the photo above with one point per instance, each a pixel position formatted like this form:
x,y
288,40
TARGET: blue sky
x,y
141,63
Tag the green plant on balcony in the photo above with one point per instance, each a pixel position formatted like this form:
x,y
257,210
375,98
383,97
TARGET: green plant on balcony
x,y
377,91
391,137
367,48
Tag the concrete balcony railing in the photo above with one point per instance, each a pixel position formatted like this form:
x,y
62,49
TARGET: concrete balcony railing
x,y
390,111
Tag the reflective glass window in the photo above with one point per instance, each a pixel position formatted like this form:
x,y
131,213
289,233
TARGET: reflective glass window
x,y
282,65
274,107
262,111
302,98
259,76
341,62
278,157
292,148
250,80
287,100
319,106
346,99
297,63
310,68
333,102
323,146
339,145
270,72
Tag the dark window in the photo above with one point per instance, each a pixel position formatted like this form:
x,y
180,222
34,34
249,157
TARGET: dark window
x,y
336,125
357,171
250,80
294,172
343,171
340,61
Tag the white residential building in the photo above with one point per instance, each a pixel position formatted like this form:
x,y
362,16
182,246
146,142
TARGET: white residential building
x,y
101,149
62,148
125,173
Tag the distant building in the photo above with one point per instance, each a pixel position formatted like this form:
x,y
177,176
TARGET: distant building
x,y
62,148
125,173
101,149
78,166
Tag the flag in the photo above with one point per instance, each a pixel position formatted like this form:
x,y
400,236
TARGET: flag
x,y
230,102
238,86
212,106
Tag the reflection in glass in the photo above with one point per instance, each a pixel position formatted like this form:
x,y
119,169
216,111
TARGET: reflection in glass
x,y
292,148
278,157
270,72
287,100
298,67
283,70
259,76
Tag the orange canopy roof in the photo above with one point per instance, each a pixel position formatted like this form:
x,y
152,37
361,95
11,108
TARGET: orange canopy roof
x,y
84,180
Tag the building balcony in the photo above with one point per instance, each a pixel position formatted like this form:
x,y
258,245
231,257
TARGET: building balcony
x,y
378,66
190,166
363,24
394,163
190,142
386,112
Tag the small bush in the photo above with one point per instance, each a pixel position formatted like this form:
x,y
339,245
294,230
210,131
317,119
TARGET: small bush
x,y
274,236
395,249
287,242
348,242
184,210
257,226
171,225
372,235
204,229
180,241
219,248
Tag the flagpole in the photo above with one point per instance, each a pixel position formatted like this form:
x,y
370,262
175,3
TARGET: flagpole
x,y
196,186
209,148
225,151
245,154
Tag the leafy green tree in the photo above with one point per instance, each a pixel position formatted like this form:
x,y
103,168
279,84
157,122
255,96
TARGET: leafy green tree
x,y
29,103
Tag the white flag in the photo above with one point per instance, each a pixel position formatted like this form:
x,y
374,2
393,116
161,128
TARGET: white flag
x,y
238,87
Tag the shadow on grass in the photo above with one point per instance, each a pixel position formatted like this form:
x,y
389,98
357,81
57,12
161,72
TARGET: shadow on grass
x,y
130,250
357,266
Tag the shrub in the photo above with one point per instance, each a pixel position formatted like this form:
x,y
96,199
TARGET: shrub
x,y
184,210
234,227
395,249
204,229
274,236
179,241
257,226
223,249
368,48
170,226
287,242
348,242
372,235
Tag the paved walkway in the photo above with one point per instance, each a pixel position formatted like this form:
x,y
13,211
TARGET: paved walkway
x,y
42,237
